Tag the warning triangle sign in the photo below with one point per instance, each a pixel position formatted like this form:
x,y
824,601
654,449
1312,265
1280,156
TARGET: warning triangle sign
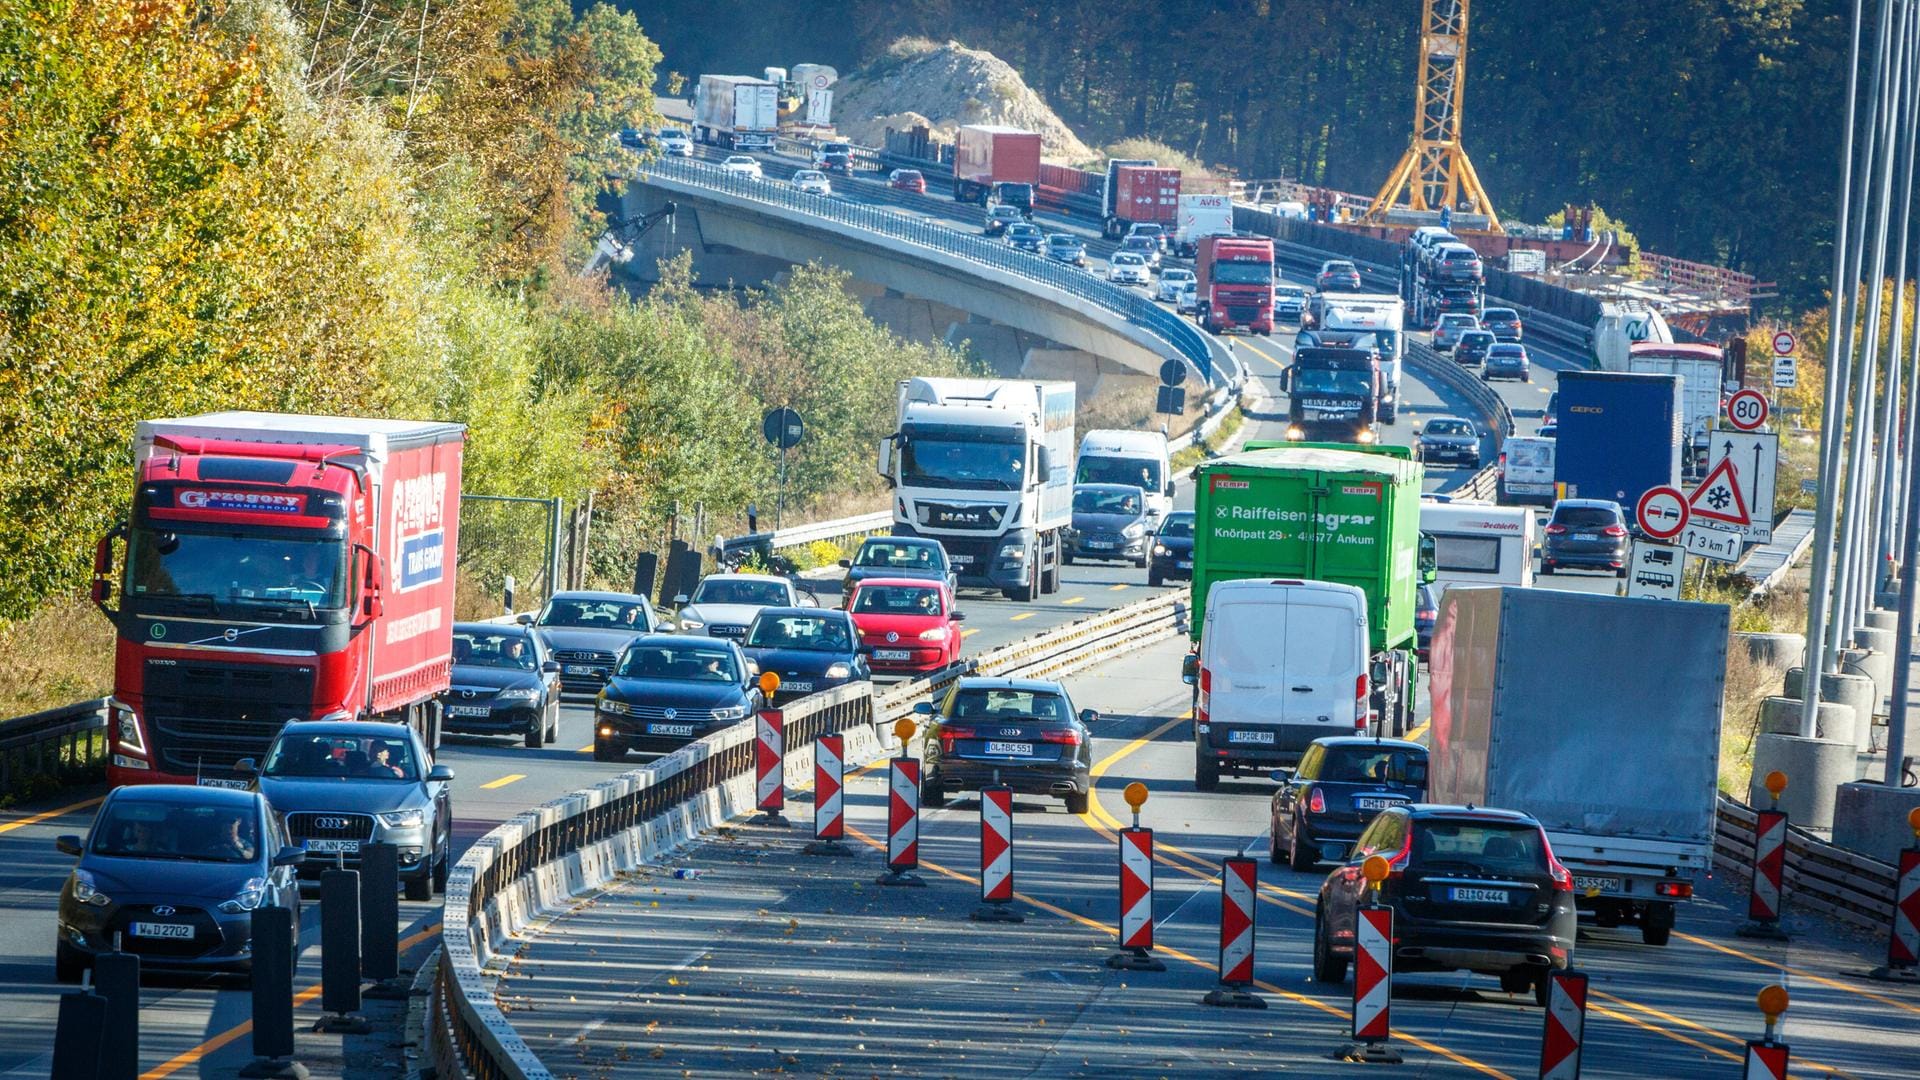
x,y
1718,497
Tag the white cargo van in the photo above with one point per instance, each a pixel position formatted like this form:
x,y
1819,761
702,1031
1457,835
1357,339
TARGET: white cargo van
x,y
1280,664
1138,458
1526,470
1480,544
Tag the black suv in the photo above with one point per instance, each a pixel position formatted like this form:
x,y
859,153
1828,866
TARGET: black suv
x,y
1586,533
1473,347
1471,889
1172,552
1342,782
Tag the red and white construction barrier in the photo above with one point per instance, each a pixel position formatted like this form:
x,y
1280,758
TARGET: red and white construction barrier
x,y
1769,877
1566,1026
1238,879
1372,986
1766,1060
1903,944
1136,903
770,766
903,823
996,857
829,781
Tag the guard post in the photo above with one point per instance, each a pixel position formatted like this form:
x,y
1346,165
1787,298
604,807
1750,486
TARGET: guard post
x,y
996,856
79,1034
380,922
116,975
340,953
1766,1056
1903,944
1238,879
829,784
1764,899
770,757
273,945
1136,891
903,814
1372,974
1566,1025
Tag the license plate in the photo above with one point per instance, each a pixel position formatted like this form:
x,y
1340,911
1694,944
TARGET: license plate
x,y
1586,536
350,847
1477,896
1184,564
1263,737
222,782
582,669
1100,545
180,931
1591,885
1363,802
960,560
468,710
1010,749
670,729
893,654
797,686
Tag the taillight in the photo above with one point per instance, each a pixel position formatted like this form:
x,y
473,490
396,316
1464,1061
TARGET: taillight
x,y
1316,803
1206,693
1360,701
948,735
1615,530
1556,530
1674,890
1562,877
1064,736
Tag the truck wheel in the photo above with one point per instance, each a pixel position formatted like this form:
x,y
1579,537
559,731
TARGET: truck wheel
x,y
1050,580
1656,924
1206,769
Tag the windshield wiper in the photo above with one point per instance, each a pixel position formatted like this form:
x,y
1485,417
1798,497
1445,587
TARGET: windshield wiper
x,y
207,600
278,601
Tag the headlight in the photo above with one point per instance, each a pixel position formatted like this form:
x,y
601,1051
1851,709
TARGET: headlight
x,y
1134,531
524,693
1294,433
1365,436
126,726
1014,552
616,708
840,671
691,624
1160,549
85,892
734,712
251,895
403,819
938,633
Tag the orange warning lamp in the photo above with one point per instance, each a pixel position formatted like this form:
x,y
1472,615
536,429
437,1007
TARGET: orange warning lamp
x,y
1913,821
1776,782
1376,870
903,729
1773,1002
1136,796
769,682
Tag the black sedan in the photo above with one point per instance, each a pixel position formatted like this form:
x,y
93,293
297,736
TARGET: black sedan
x,y
1341,783
1109,522
587,631
504,683
1172,555
1476,890
898,557
176,872
1025,236
1448,440
669,691
1022,733
810,649
1507,361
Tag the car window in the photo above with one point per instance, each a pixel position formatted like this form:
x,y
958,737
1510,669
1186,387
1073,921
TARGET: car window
x,y
1582,517
1126,258
1310,762
1497,846
881,553
737,591
137,829
481,648
1510,351
980,703
592,614
897,600
341,757
819,633
1360,764
1177,525
1449,427
1094,501
680,662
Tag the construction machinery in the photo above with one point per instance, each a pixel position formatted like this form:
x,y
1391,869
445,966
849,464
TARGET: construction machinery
x,y
1435,174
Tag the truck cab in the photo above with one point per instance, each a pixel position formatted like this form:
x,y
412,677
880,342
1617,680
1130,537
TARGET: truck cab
x,y
1333,395
1235,275
1374,321
1139,458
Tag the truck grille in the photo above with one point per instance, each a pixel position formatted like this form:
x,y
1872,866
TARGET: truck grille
x,y
1242,314
949,516
207,715
329,826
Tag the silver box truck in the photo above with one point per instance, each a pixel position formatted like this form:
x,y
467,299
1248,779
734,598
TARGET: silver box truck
x,y
1598,715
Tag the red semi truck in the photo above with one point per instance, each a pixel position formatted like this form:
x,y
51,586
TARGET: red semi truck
x,y
278,568
1003,162
1140,192
1235,283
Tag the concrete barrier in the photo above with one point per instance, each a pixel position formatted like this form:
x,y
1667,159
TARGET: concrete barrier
x,y
1781,716
1852,689
1815,770
1871,819
1775,650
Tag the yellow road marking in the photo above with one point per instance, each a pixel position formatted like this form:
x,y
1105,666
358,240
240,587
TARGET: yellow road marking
x,y
49,815
1117,588
969,633
505,780
1418,731
1801,972
1683,1022
587,749
1023,615
188,1057
1073,600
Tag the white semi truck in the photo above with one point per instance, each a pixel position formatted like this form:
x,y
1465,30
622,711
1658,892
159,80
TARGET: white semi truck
x,y
1360,321
985,466
737,112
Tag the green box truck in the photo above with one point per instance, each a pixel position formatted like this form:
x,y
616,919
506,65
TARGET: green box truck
x,y
1316,512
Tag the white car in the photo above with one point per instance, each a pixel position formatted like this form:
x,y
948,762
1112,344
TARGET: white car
x,y
723,605
742,165
1446,333
812,181
1126,268
675,142
1173,281
1189,302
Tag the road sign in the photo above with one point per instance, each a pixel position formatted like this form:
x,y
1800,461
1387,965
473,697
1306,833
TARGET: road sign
x,y
1753,457
1719,498
1783,343
1172,401
1712,541
1662,512
1173,372
1747,410
1655,570
1786,372
783,428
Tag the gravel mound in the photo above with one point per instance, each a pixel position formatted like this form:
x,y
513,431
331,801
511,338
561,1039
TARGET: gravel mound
x,y
945,86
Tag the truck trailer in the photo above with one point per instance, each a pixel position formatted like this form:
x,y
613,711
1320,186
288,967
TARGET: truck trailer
x,y
1626,780
278,568
1618,435
736,112
1198,217
1701,370
1139,192
996,161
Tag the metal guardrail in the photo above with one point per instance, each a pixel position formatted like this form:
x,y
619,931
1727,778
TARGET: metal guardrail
x,y
1183,338
1819,876
533,859
1769,564
66,745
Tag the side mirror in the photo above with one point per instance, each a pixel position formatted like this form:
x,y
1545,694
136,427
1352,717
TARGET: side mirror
x,y
1042,465
523,619
1172,489
1190,669
440,774
846,564
957,616
246,767
1286,381
1282,776
289,856
680,601
923,708
883,460
371,604
1089,717
550,666
68,845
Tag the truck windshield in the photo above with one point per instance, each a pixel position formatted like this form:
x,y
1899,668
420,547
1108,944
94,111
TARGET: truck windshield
x,y
236,566
961,459
1324,381
1243,273
1144,472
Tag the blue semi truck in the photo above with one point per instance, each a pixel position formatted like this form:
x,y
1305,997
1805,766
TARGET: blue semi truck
x,y
1619,435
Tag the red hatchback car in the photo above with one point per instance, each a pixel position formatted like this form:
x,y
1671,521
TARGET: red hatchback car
x,y
907,180
909,625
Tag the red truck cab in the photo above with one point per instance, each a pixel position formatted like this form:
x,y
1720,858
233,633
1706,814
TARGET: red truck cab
x,y
1235,283
277,568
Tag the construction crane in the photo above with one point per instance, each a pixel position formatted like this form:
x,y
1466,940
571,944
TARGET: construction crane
x,y
1435,173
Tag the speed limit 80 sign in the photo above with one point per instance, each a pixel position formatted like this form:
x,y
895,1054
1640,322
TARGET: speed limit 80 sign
x,y
1747,410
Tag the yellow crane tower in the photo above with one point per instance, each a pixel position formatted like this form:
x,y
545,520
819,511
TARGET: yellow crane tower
x,y
1435,171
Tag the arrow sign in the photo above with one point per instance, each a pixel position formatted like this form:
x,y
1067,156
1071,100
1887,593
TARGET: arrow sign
x,y
1719,499
1754,457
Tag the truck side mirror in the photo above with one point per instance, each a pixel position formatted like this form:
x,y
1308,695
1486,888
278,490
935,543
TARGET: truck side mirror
x,y
371,604
883,461
1042,465
1190,669
102,589
1286,380
1429,562
1172,488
